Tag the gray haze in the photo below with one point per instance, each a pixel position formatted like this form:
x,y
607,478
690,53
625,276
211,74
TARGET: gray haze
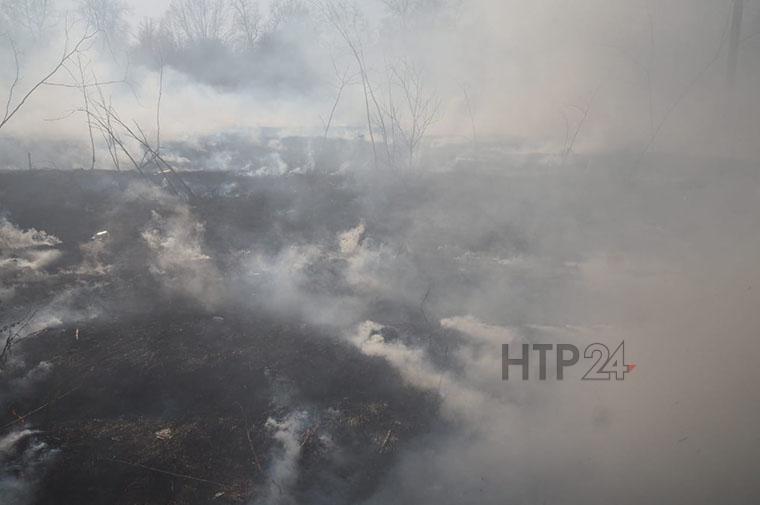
x,y
650,74
613,195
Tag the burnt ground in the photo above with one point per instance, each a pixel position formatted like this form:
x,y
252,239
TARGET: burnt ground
x,y
168,363
149,359
213,383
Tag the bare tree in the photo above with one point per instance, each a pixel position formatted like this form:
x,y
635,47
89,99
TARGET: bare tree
x,y
282,10
347,21
686,90
79,81
123,137
16,77
31,16
644,62
198,21
584,112
13,332
344,78
107,17
86,100
69,51
160,95
246,23
400,8
470,112
406,10
411,108
153,38
405,115
111,145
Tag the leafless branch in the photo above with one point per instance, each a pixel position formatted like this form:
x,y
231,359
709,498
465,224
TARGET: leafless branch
x,y
158,105
86,100
15,78
344,78
345,19
246,21
167,472
585,111
687,89
67,54
470,113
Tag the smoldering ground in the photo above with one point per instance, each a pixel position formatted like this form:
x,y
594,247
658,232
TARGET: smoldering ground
x,y
264,294
425,277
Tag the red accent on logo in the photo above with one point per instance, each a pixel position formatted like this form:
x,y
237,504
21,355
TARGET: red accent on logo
x,y
631,367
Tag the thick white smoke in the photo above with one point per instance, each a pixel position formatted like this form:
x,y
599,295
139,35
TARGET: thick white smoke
x,y
282,473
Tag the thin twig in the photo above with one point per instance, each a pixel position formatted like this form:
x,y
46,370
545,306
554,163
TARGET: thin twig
x,y
15,78
87,110
167,472
66,55
685,92
250,440
20,419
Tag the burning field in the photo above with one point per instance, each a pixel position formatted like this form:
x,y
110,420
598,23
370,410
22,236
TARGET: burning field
x,y
143,368
379,252
336,338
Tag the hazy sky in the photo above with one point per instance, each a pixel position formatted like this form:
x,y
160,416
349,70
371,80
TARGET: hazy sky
x,y
530,70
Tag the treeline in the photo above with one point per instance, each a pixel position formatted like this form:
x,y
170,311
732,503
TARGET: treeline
x,y
366,58
230,42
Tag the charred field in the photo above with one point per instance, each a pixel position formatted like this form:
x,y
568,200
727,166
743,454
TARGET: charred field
x,y
303,338
379,252
216,375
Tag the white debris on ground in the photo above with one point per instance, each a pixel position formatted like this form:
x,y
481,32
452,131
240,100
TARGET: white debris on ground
x,y
165,434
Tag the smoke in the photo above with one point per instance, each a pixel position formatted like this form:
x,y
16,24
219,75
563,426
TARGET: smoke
x,y
652,271
15,241
554,75
535,217
24,255
282,473
177,258
24,460
432,273
29,262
